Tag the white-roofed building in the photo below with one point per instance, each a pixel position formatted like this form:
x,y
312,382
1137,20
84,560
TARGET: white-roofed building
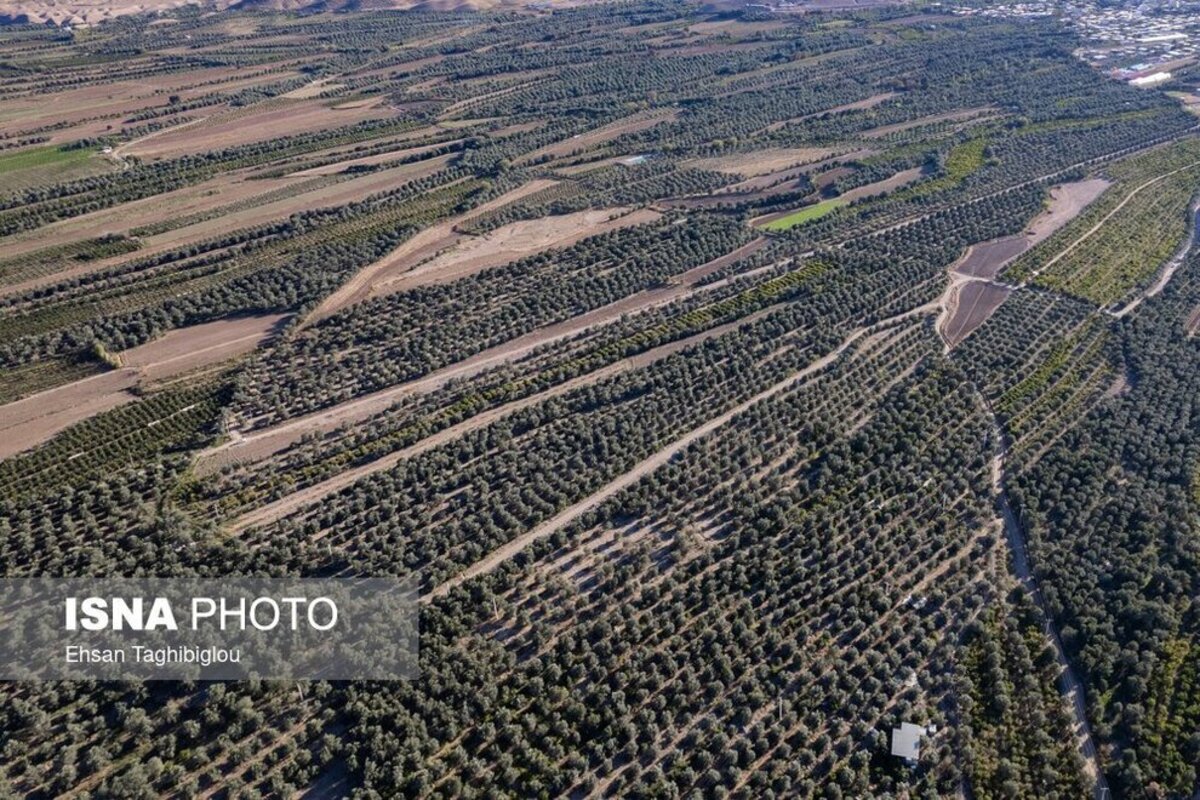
x,y
906,741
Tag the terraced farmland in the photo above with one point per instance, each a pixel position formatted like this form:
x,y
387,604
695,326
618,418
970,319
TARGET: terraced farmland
x,y
737,385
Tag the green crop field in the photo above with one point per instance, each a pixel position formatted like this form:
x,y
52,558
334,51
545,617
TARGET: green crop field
x,y
806,214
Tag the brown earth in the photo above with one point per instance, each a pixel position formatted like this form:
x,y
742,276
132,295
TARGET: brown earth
x,y
29,422
185,349
510,243
869,102
951,116
379,158
75,108
35,419
970,305
641,121
987,259
763,162
199,202
412,252
256,123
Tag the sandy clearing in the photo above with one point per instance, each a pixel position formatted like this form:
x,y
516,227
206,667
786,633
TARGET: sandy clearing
x,y
973,294
35,419
314,89
766,181
257,445
643,120
986,259
323,197
640,470
252,124
427,242
117,100
884,186
184,349
202,197
510,243
762,162
1066,201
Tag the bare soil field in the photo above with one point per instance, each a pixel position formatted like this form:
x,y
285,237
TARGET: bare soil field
x,y
314,89
29,422
379,158
337,194
987,259
1066,201
770,179
764,162
970,305
409,254
585,141
198,199
512,242
901,178
257,445
243,126
76,108
35,419
185,349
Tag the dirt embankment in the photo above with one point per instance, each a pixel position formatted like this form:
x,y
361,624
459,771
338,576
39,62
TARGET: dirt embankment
x,y
35,419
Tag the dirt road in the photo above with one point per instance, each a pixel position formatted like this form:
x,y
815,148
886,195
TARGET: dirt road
x,y
1069,684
